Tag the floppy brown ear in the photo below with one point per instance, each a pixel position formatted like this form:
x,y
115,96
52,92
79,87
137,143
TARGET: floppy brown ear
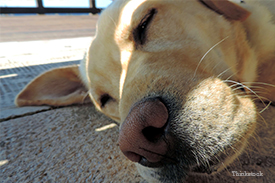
x,y
57,87
230,10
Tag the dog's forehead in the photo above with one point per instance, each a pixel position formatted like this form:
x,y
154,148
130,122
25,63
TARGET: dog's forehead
x,y
121,11
121,15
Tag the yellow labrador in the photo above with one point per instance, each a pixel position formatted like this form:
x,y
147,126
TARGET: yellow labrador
x,y
180,77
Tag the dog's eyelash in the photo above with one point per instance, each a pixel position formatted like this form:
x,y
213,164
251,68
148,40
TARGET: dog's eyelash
x,y
140,31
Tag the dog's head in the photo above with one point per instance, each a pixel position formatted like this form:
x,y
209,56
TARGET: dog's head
x,y
160,69
168,72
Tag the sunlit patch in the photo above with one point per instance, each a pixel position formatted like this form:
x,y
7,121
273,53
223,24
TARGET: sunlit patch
x,y
112,125
3,162
8,76
125,49
126,16
125,57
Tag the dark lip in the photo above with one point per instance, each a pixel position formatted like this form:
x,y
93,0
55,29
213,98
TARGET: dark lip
x,y
166,160
144,162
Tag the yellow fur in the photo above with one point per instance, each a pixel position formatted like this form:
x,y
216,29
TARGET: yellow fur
x,y
195,60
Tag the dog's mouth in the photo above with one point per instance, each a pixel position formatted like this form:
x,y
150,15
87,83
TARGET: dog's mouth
x,y
166,160
201,169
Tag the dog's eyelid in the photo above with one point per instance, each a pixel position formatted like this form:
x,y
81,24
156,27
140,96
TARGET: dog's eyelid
x,y
140,31
147,17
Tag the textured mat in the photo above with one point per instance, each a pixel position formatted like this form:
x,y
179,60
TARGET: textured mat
x,y
20,62
74,144
78,144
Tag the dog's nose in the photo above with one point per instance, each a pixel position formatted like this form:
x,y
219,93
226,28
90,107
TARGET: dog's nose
x,y
141,135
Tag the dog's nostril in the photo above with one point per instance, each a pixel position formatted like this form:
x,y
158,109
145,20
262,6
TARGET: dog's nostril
x,y
153,134
141,133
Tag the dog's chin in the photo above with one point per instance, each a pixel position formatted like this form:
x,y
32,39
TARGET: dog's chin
x,y
177,170
210,168
174,172
163,173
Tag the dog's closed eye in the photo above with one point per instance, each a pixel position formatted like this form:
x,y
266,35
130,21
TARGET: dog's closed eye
x,y
140,31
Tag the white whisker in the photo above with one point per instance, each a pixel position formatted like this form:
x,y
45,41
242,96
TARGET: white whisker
x,y
246,88
252,87
265,107
230,76
263,121
207,54
238,88
231,86
264,98
112,20
266,84
224,72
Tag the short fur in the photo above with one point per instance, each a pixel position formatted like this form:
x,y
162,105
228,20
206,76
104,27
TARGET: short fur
x,y
208,68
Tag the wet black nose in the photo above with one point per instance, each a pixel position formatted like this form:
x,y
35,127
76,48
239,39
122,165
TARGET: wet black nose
x,y
142,131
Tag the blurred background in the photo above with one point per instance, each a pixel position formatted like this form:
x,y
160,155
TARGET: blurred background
x,y
54,3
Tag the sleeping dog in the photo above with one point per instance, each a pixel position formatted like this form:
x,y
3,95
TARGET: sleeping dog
x,y
181,78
